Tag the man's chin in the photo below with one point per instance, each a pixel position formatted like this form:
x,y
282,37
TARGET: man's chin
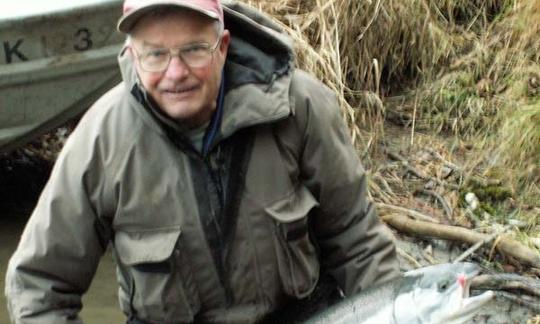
x,y
189,117
177,111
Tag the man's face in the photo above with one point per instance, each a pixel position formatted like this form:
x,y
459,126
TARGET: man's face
x,y
184,93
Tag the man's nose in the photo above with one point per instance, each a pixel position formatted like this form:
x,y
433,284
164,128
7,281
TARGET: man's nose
x,y
177,69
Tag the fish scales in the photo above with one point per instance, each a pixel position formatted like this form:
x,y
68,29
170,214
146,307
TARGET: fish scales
x,y
435,294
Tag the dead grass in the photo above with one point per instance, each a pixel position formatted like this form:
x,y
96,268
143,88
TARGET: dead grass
x,y
464,69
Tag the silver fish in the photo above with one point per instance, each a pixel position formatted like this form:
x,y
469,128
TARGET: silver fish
x,y
435,294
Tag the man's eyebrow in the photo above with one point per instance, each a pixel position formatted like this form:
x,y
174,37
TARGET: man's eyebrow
x,y
149,44
194,42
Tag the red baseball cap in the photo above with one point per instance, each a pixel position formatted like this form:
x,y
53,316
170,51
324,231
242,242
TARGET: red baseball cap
x,y
135,9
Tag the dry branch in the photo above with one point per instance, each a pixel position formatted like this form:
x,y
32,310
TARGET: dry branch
x,y
418,173
476,246
410,212
506,245
442,201
507,282
522,300
409,258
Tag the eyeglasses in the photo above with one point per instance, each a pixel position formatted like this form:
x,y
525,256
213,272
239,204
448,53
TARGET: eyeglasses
x,y
193,55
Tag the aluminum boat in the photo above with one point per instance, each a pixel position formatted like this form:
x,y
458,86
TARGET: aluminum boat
x,y
56,58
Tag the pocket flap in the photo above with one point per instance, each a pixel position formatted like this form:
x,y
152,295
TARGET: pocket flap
x,y
293,207
145,246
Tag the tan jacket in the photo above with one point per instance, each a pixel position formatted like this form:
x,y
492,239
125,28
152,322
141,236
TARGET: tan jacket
x,y
291,188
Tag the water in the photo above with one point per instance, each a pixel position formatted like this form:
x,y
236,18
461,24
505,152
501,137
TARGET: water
x,y
100,303
20,184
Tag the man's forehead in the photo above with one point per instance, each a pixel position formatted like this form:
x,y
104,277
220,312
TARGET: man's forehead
x,y
153,44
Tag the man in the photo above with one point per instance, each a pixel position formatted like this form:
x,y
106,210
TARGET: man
x,y
222,176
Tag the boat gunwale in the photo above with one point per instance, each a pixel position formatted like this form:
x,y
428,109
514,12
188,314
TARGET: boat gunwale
x,y
58,66
9,22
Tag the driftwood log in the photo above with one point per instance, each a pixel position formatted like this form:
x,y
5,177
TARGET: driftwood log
x,y
504,245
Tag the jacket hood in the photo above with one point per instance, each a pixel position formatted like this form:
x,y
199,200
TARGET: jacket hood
x,y
257,70
260,51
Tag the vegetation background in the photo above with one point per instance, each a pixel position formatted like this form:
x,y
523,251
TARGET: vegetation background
x,y
449,89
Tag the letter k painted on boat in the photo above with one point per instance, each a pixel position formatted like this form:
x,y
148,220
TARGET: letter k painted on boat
x,y
9,51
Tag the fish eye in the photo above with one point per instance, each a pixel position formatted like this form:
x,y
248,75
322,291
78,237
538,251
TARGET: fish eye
x,y
442,286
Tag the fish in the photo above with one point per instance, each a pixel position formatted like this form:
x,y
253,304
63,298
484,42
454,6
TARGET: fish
x,y
433,294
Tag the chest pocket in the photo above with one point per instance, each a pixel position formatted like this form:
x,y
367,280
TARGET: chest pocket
x,y
159,282
297,257
286,204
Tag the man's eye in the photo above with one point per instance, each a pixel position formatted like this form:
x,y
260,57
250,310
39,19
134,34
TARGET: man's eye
x,y
195,49
156,54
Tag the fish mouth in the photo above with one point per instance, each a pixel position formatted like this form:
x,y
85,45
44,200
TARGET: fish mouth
x,y
472,302
466,306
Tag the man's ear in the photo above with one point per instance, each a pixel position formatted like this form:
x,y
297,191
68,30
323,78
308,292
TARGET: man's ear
x,y
126,49
225,41
129,51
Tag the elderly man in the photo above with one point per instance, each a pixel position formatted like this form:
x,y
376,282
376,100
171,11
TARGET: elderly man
x,y
222,176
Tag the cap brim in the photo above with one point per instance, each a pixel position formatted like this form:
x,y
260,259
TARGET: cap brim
x,y
127,21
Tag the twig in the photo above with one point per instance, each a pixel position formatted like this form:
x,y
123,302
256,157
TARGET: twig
x,y
398,118
375,190
419,174
414,119
471,250
507,281
475,247
407,165
375,15
409,258
442,201
534,320
428,257
396,156
412,213
472,217
388,167
481,181
493,246
438,156
315,15
384,183
506,245
535,271
521,300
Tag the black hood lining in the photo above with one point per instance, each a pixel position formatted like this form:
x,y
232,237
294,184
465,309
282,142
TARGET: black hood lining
x,y
255,55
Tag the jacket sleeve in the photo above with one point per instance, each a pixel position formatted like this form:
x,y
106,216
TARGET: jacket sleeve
x,y
355,247
61,245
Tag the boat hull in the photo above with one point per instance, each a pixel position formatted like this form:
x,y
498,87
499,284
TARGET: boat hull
x,y
54,66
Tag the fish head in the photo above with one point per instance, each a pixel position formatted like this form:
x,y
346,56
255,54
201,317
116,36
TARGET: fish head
x,y
439,294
